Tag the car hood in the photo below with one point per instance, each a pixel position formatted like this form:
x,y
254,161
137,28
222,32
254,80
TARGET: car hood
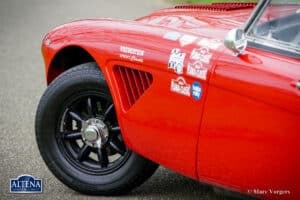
x,y
200,20
149,33
205,21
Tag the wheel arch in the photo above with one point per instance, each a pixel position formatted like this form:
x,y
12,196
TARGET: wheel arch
x,y
66,58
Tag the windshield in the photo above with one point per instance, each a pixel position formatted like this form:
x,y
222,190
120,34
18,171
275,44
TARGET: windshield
x,y
278,23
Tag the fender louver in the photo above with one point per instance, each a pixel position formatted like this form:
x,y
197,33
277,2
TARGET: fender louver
x,y
217,6
132,84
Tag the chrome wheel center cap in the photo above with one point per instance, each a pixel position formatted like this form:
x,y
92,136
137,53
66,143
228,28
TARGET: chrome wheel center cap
x,y
94,133
91,133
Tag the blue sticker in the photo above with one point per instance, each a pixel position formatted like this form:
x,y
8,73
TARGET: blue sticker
x,y
174,36
26,184
196,90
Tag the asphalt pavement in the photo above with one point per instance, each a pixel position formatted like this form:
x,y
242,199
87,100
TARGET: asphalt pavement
x,y
23,23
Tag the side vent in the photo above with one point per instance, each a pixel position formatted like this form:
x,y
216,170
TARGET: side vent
x,y
217,6
132,84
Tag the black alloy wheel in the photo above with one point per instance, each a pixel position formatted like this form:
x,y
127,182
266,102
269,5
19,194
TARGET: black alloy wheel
x,y
89,135
79,137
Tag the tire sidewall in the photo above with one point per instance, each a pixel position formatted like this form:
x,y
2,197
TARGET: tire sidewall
x,y
47,118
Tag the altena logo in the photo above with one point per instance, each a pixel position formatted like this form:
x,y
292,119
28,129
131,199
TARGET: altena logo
x,y
26,184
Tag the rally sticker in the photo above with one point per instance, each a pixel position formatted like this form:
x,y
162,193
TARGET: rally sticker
x,y
197,70
196,90
186,40
180,86
132,54
174,36
210,43
201,54
176,61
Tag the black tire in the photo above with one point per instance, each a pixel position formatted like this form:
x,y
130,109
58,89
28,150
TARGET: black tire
x,y
110,178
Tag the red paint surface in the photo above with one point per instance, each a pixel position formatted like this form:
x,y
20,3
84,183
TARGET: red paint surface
x,y
249,136
242,134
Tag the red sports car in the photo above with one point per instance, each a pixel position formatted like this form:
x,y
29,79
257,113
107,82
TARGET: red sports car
x,y
211,91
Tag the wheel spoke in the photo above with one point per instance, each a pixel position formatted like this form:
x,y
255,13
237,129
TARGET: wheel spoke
x,y
102,157
117,145
80,117
83,153
75,116
89,106
71,135
108,111
115,129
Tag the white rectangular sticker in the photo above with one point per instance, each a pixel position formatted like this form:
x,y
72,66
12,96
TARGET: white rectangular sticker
x,y
197,70
210,43
180,86
201,54
186,40
132,54
176,61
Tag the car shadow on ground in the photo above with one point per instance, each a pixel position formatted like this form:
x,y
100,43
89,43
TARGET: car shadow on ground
x,y
170,185
166,184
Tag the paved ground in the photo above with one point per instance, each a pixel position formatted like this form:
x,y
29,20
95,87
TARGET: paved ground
x,y
22,27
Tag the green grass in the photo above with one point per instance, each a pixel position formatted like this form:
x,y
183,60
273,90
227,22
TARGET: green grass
x,y
211,1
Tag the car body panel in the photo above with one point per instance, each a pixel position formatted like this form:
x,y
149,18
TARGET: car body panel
x,y
168,116
249,136
247,117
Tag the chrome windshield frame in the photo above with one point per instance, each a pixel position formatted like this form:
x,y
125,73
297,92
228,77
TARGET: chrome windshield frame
x,y
261,42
